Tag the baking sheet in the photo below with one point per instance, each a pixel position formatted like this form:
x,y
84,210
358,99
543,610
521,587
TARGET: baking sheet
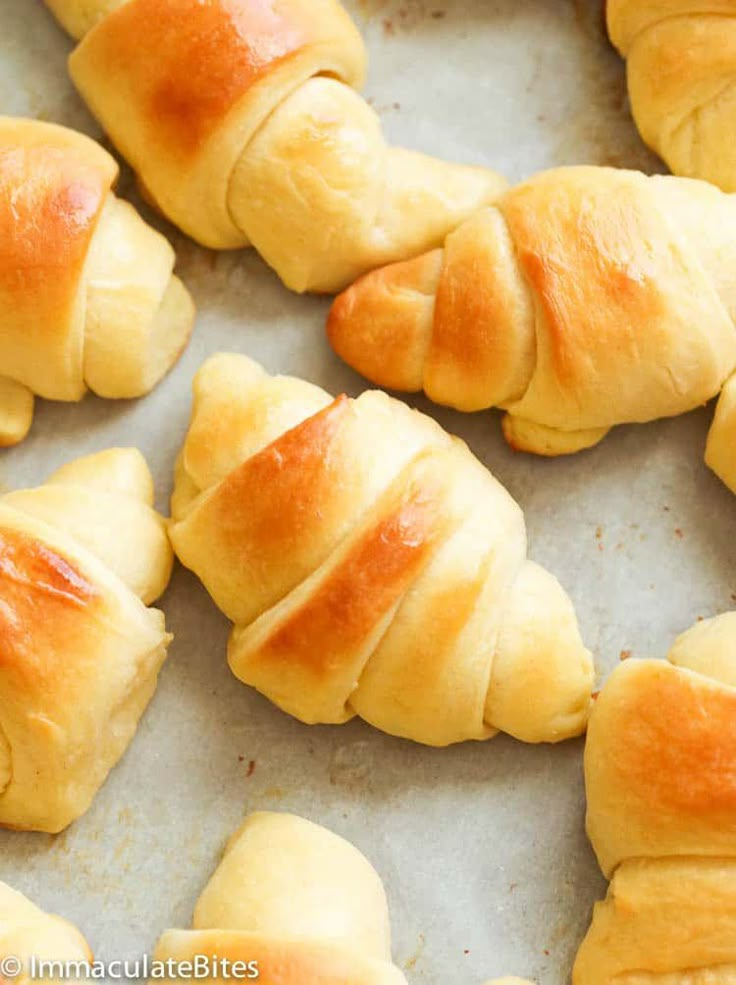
x,y
481,846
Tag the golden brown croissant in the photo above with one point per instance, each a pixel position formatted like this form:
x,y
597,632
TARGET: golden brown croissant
x,y
585,298
81,557
87,295
660,768
681,56
28,934
296,902
241,120
371,565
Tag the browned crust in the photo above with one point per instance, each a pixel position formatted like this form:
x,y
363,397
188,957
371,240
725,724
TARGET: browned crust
x,y
677,746
382,324
188,62
361,590
41,595
50,199
590,250
275,494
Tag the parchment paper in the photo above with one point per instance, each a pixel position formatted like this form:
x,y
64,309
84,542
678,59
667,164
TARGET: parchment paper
x,y
481,846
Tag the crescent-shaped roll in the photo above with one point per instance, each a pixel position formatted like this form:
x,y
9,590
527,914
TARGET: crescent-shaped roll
x,y
371,565
297,903
32,936
81,557
660,770
680,58
585,298
242,122
87,294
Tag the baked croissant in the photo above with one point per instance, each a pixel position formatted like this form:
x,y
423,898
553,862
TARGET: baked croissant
x,y
680,60
242,123
28,933
586,297
81,557
660,769
371,565
295,902
87,295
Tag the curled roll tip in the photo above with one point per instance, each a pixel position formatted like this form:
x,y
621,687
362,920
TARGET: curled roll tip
x,y
298,900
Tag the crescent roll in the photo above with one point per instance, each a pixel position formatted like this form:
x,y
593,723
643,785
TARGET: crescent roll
x,y
28,933
81,558
87,295
242,121
297,903
660,770
585,298
680,58
371,565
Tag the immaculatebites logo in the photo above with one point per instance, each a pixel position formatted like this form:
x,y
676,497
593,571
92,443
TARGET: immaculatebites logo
x,y
200,967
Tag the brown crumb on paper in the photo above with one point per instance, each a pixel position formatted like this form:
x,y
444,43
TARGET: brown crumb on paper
x,y
412,961
409,15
